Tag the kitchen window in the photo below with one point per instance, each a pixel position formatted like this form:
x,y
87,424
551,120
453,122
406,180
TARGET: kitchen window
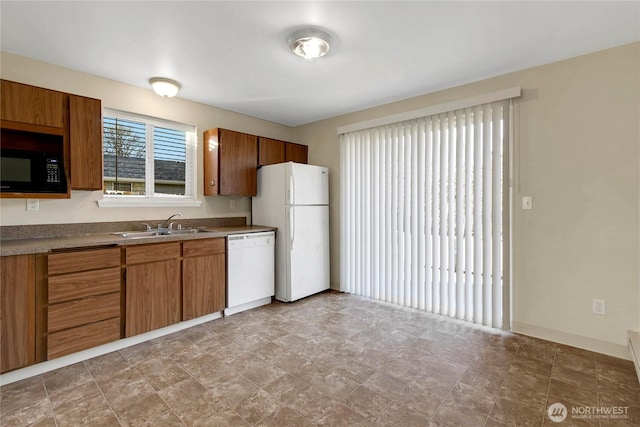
x,y
147,161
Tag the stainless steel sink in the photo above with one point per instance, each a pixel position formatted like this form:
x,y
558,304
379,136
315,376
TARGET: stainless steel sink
x,y
138,234
157,233
186,231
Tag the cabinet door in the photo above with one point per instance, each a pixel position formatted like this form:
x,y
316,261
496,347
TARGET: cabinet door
x,y
211,160
17,312
152,296
238,163
85,142
270,151
29,104
297,153
203,283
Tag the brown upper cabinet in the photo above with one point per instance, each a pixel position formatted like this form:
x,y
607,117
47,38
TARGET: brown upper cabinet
x,y
296,153
270,151
230,163
35,118
85,142
273,151
23,103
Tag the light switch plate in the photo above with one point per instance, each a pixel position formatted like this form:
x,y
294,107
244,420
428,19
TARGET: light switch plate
x,y
527,203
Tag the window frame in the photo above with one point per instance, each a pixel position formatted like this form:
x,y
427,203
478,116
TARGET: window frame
x,y
152,199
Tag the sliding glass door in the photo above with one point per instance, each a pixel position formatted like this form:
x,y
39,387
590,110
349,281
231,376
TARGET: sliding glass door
x,y
424,213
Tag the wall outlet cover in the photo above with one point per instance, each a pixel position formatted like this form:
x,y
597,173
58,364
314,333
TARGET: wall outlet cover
x,y
599,307
33,204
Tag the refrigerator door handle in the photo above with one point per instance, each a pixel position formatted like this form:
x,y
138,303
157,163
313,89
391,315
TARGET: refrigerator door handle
x,y
292,189
292,226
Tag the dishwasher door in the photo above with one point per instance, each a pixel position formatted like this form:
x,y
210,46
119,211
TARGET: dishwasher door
x,y
250,270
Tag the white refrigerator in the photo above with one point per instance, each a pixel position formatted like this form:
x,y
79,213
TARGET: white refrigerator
x,y
295,198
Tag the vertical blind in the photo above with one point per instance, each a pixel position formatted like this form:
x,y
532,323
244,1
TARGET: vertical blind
x,y
424,217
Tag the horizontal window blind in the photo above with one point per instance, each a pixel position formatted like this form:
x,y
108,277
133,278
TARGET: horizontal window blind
x,y
423,212
124,148
146,156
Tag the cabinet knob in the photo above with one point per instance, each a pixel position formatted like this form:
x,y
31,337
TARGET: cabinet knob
x,y
213,182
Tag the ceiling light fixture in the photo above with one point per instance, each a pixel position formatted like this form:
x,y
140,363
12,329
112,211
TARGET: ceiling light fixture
x,y
310,43
164,87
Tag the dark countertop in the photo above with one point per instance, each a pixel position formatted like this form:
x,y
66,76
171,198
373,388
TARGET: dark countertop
x,y
47,244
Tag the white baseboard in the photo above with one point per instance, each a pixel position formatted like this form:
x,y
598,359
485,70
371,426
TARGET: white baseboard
x,y
61,362
585,343
634,350
248,306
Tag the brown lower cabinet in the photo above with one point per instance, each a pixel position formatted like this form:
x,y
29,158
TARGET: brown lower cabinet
x,y
153,291
203,277
84,300
56,304
17,308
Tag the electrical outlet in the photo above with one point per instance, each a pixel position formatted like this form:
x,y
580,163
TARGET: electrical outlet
x,y
599,307
232,204
33,204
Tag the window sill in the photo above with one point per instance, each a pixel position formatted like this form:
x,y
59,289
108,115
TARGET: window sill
x,y
146,202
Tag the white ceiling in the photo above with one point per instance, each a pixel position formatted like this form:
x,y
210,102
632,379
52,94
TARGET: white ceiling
x,y
234,55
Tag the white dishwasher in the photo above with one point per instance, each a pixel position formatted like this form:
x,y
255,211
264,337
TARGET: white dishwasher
x,y
250,270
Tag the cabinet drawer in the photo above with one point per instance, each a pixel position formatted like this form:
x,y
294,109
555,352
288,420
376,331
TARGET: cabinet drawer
x,y
83,284
71,262
203,247
82,337
79,312
151,253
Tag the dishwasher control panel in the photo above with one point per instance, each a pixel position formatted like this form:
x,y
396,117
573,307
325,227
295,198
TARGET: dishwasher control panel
x,y
252,239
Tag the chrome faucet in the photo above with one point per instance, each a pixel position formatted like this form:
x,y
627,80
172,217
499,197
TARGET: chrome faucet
x,y
168,224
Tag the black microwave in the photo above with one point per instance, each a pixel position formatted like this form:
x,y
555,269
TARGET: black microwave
x,y
23,171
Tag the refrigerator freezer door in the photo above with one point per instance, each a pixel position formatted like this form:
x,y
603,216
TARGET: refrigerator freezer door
x,y
306,184
307,246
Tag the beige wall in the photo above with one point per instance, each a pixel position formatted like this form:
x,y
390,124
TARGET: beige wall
x,y
82,206
577,154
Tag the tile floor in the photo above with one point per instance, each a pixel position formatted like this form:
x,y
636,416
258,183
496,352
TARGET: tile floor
x,y
329,360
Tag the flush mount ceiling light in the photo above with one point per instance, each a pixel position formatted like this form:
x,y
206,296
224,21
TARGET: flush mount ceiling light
x,y
164,87
310,43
